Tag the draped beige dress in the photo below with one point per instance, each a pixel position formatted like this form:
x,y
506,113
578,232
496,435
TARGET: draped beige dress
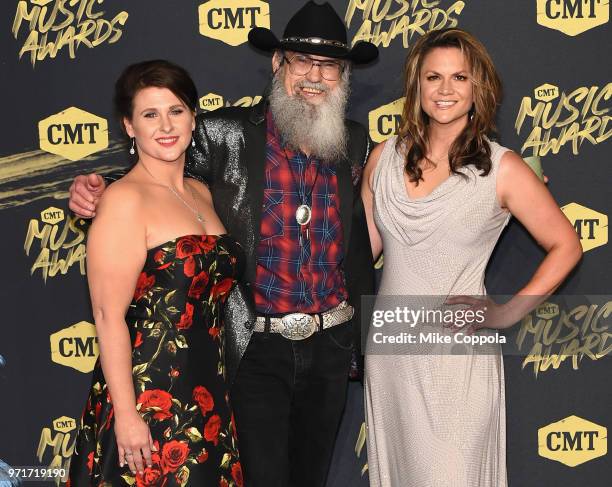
x,y
436,420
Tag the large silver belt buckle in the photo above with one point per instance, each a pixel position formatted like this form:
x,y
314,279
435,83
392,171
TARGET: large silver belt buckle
x,y
298,326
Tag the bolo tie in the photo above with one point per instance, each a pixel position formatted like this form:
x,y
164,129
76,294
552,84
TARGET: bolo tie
x,y
303,213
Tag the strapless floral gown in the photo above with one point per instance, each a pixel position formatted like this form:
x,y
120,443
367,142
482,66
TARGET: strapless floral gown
x,y
177,355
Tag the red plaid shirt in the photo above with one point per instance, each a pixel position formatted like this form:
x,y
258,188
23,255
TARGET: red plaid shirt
x,y
292,277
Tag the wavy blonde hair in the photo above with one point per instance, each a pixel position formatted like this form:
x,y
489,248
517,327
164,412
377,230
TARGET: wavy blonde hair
x,y
470,146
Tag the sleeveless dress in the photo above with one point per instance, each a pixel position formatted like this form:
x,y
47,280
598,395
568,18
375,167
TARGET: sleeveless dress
x,y
436,419
177,355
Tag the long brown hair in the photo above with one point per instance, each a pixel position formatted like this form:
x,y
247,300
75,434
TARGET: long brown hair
x,y
470,146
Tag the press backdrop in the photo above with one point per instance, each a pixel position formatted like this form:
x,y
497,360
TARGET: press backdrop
x,y
59,62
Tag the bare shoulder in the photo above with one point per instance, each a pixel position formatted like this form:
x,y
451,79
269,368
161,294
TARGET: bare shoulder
x,y
124,195
201,188
516,181
512,166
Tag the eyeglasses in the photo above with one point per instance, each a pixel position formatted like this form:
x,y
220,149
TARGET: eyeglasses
x,y
301,65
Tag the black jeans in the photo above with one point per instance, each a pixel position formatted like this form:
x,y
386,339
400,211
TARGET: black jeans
x,y
288,399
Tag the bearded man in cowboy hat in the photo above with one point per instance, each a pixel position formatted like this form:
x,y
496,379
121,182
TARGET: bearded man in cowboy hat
x,y
284,175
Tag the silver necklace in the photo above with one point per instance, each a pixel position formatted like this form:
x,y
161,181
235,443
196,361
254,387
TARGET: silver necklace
x,y
195,210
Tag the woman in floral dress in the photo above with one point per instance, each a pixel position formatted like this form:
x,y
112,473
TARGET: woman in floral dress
x,y
160,267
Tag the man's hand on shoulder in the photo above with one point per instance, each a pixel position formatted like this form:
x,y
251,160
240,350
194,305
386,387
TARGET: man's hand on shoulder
x,y
85,192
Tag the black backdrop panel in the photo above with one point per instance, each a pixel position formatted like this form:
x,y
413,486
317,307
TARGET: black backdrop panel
x,y
59,62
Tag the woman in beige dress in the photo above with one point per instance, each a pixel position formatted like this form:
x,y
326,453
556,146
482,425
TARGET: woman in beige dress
x,y
438,197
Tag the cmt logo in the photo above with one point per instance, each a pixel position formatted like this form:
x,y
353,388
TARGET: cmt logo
x,y
58,443
230,21
52,215
572,17
547,311
384,121
64,424
73,134
572,441
591,226
211,102
546,92
75,346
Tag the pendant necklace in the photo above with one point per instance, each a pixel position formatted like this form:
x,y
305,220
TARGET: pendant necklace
x,y
303,214
195,210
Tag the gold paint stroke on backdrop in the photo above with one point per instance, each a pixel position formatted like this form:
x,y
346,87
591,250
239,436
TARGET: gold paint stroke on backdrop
x,y
34,175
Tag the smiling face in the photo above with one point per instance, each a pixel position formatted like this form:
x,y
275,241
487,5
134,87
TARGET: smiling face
x,y
309,110
446,89
311,86
161,124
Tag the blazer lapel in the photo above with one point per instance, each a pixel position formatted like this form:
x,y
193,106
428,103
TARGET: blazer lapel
x,y
255,146
345,192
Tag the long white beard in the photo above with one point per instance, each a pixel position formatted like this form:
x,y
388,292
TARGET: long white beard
x,y
319,129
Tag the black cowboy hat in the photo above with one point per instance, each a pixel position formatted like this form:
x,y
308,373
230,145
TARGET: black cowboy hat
x,y
315,29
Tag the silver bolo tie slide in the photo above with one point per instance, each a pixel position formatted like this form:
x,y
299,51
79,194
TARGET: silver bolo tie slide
x,y
303,215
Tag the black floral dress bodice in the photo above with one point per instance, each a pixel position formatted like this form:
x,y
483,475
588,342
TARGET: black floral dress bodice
x,y
177,338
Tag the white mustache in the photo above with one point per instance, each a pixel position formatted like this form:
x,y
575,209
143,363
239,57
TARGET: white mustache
x,y
313,86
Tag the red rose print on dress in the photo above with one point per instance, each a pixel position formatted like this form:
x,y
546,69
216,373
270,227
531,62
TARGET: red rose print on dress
x,y
208,243
152,476
237,474
202,457
143,285
186,318
187,246
158,401
190,419
211,430
222,288
109,420
198,284
189,266
173,455
90,460
98,410
204,398
159,256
